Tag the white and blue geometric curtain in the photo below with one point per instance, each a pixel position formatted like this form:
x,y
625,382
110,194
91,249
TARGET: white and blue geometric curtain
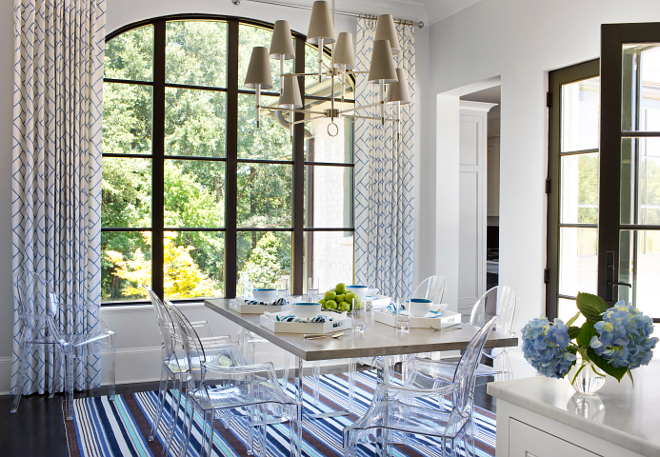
x,y
56,151
384,184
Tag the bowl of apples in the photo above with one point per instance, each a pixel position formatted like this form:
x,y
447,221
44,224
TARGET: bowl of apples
x,y
340,299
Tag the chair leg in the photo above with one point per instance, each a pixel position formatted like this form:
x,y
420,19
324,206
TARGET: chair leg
x,y
162,390
351,384
285,374
113,356
176,393
26,349
208,422
316,382
249,442
56,370
69,384
295,433
261,432
188,423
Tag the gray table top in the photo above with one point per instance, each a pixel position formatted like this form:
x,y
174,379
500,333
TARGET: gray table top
x,y
379,339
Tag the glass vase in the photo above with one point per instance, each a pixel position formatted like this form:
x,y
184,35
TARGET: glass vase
x,y
585,377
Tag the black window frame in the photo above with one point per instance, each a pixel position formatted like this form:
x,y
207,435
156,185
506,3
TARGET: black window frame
x,y
300,183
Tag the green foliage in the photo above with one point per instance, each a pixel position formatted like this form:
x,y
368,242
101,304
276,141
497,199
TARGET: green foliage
x,y
601,363
591,306
587,331
573,332
268,261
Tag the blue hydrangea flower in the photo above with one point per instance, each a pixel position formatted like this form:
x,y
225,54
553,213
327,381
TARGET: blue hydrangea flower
x,y
545,347
624,337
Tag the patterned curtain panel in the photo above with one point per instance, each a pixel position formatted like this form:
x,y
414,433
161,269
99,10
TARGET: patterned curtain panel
x,y
56,152
384,184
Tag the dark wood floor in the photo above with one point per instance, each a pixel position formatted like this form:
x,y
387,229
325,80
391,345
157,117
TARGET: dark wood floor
x,y
37,429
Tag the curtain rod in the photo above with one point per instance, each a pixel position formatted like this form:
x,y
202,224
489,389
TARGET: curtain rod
x,y
371,17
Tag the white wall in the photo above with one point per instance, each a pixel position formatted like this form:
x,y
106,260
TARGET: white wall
x,y
137,333
520,41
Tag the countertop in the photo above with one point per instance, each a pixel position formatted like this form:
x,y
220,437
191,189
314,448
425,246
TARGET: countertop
x,y
618,413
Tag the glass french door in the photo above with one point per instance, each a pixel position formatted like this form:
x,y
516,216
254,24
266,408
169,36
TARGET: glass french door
x,y
629,210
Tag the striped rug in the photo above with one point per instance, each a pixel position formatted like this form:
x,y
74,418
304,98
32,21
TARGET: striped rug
x,y
120,428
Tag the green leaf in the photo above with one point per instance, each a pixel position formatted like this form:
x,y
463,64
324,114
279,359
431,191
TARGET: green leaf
x,y
573,319
591,306
573,332
587,331
601,363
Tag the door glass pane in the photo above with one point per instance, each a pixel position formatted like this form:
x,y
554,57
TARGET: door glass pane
x,y
578,260
264,195
195,122
194,194
641,107
130,55
330,190
272,140
329,257
196,53
640,181
579,115
566,309
193,264
640,266
262,258
125,265
579,189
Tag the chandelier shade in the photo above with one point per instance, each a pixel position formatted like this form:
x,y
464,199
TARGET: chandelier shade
x,y
343,52
399,91
258,73
282,44
382,66
320,28
385,30
290,98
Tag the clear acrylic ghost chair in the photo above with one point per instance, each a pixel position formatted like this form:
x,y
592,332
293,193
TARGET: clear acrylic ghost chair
x,y
499,301
85,333
39,329
426,411
432,288
174,365
221,381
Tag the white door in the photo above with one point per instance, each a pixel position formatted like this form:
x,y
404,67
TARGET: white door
x,y
472,203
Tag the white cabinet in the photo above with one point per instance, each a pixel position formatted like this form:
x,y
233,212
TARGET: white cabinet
x,y
493,206
532,442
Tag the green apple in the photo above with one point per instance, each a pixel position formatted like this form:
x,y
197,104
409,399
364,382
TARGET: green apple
x,y
323,303
350,296
340,298
341,288
330,295
331,304
343,306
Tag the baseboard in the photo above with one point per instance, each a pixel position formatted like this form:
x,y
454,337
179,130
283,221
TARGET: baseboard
x,y
5,375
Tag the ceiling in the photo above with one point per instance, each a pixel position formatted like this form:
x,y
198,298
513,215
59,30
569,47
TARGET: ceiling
x,y
440,9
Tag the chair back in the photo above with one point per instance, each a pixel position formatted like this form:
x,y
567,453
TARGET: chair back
x,y
432,288
36,312
166,326
464,376
498,301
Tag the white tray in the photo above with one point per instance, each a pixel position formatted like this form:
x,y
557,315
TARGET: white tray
x,y
377,301
312,327
257,309
447,318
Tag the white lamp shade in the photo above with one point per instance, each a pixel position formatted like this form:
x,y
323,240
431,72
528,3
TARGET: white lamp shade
x,y
343,52
382,66
399,91
290,98
259,69
282,43
385,30
320,24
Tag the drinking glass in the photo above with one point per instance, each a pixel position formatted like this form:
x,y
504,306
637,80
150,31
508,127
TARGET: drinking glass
x,y
358,317
402,318
283,288
313,289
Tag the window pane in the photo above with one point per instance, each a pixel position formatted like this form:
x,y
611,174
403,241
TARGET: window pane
x,y
195,122
579,189
641,112
126,192
262,257
578,265
250,36
271,141
329,257
264,195
127,114
331,189
125,265
640,266
567,309
321,147
131,55
196,53
194,194
322,89
640,181
194,264
579,115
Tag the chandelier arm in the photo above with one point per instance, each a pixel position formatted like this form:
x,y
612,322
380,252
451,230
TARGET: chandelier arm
x,y
306,120
361,107
373,118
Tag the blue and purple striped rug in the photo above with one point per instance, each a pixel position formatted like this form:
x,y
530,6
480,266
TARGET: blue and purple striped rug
x,y
120,428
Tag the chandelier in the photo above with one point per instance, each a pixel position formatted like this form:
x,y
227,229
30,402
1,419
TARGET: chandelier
x,y
382,70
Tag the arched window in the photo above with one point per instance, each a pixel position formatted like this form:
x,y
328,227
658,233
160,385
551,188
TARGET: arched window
x,y
196,199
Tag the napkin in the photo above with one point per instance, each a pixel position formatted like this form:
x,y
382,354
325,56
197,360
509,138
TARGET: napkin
x,y
306,320
247,301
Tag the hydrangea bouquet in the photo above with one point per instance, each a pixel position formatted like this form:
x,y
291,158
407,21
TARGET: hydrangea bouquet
x,y
616,340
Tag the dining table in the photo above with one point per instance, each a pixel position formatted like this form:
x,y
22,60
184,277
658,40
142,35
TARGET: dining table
x,y
378,340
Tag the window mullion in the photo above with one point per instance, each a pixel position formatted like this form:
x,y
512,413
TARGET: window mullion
x,y
232,154
158,165
299,181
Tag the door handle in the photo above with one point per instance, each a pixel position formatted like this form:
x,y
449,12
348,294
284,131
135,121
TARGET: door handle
x,y
610,277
